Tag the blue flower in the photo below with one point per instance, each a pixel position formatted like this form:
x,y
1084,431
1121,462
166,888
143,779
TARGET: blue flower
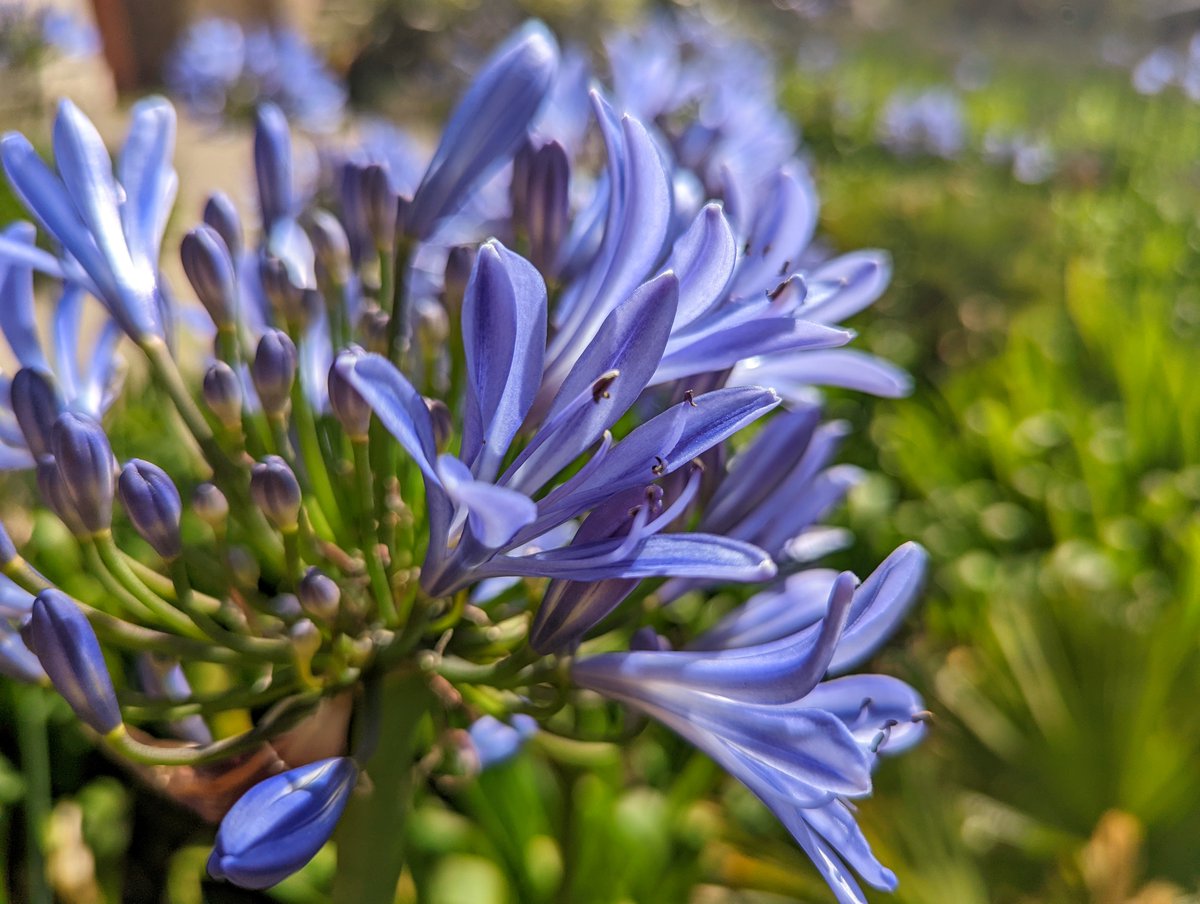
x,y
492,742
927,122
277,826
480,519
756,702
109,229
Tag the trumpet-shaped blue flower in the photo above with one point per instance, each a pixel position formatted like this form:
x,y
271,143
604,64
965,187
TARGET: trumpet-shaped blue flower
x,y
279,825
758,705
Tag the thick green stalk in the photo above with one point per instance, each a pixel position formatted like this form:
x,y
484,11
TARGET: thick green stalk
x,y
35,765
371,835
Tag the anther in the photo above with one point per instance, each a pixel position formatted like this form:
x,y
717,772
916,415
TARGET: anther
x,y
600,387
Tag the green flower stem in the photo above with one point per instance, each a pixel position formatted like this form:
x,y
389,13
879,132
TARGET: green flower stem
x,y
370,837
291,555
316,468
131,604
25,576
380,587
148,576
397,269
160,610
35,766
507,671
140,708
278,650
279,718
280,441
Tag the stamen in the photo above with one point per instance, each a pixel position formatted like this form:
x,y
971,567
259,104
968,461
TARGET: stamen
x,y
600,387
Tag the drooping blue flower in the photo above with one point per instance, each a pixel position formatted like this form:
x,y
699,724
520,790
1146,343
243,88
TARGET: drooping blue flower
x,y
756,702
277,826
59,635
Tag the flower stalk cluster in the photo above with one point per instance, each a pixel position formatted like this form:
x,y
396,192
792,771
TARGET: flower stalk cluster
x,y
452,434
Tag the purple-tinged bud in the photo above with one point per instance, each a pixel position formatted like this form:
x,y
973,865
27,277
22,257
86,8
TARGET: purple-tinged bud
x,y
648,639
85,461
306,638
36,403
163,679
221,214
210,270
330,246
348,406
518,189
284,296
223,394
153,504
277,826
16,660
381,204
319,595
273,371
459,264
373,327
493,742
55,495
547,214
273,164
442,421
243,567
210,505
287,606
276,492
59,635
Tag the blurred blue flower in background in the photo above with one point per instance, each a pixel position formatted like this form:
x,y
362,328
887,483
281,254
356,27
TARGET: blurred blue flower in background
x,y
925,122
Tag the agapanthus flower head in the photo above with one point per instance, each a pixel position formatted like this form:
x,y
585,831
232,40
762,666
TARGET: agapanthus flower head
x,y
514,361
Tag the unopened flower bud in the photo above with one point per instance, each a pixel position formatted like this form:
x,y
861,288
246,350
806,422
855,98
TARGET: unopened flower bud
x,y
209,269
492,742
284,296
319,595
287,606
276,492
518,189
210,504
373,327
330,245
85,461
153,504
223,394
277,826
243,567
273,371
273,163
221,215
35,402
381,204
55,495
306,638
547,214
648,639
352,412
459,264
59,635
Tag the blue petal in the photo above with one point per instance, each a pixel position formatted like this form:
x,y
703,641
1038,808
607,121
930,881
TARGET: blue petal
x,y
772,616
782,228
845,285
703,259
494,513
794,375
880,604
726,348
147,175
399,407
17,317
488,124
629,342
273,165
504,338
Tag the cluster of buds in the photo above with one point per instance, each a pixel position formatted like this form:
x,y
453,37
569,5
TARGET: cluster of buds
x,y
435,479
